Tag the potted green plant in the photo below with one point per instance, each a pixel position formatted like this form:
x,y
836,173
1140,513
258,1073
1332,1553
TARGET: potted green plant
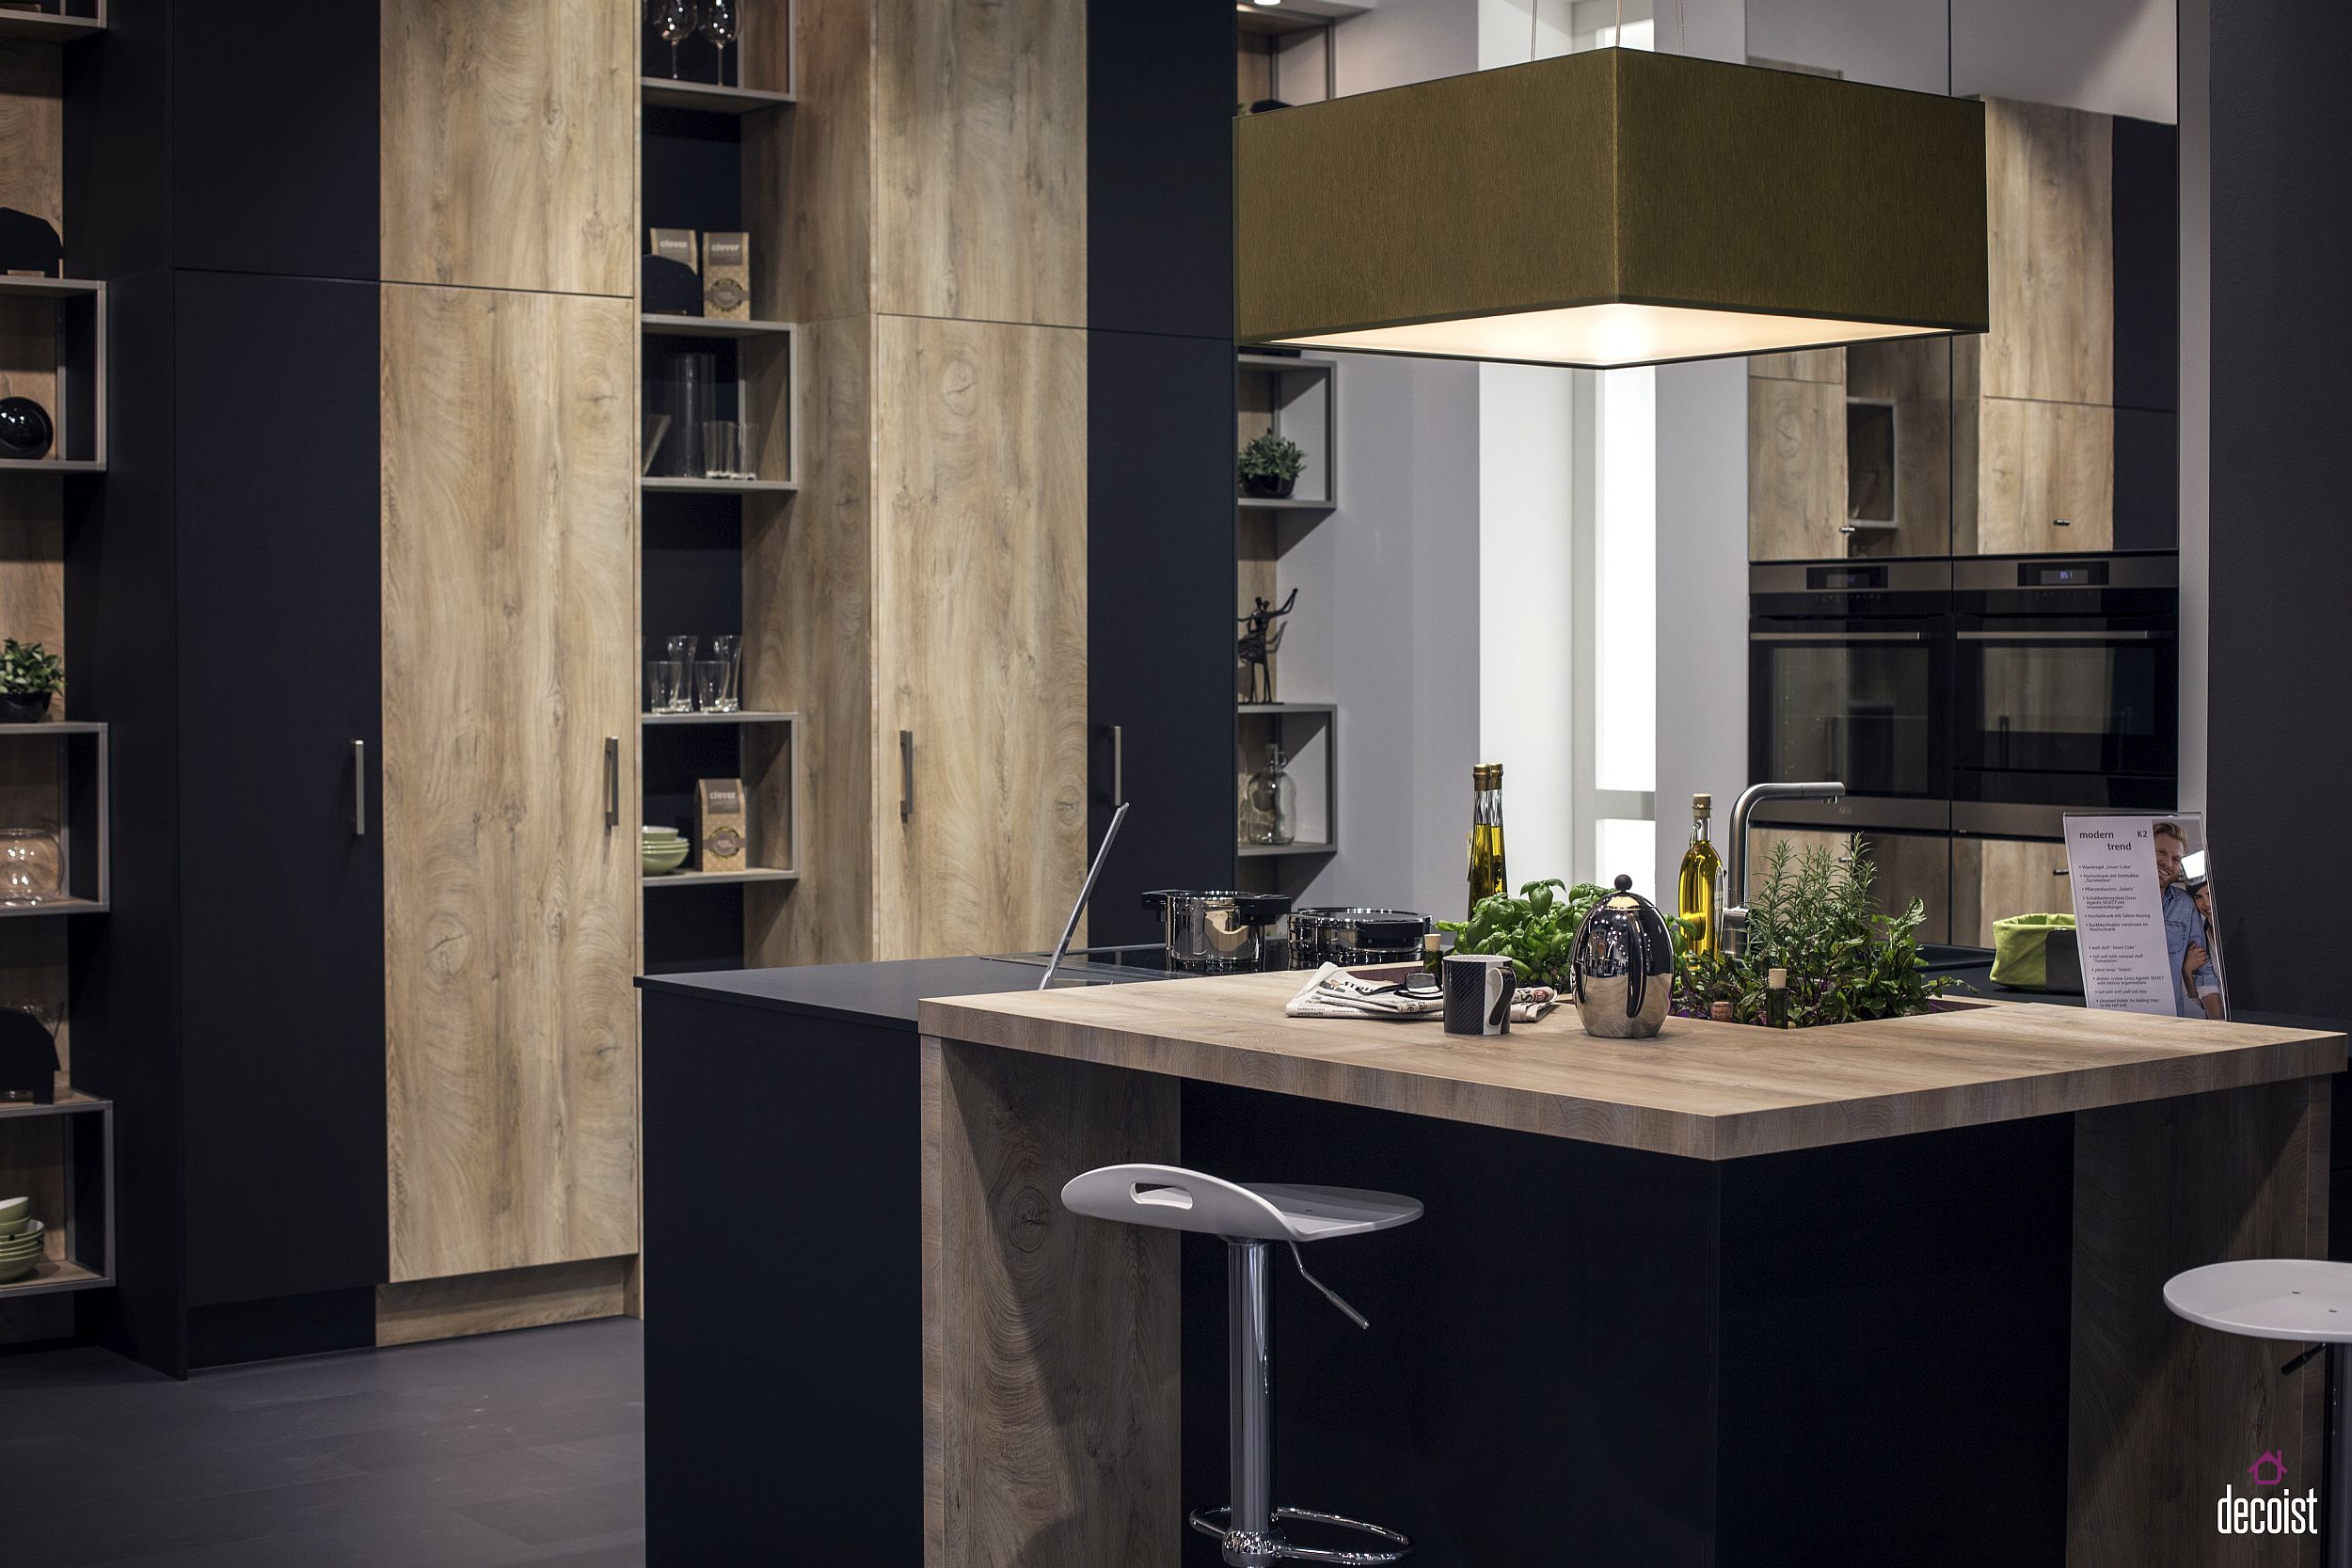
x,y
1813,915
1269,467
1536,930
30,674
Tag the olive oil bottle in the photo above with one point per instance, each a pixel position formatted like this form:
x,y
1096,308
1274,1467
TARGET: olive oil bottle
x,y
1486,874
1696,888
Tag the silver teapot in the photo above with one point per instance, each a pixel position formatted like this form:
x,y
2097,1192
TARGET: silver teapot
x,y
1622,964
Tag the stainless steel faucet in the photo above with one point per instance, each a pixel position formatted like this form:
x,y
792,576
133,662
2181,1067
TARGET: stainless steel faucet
x,y
1736,917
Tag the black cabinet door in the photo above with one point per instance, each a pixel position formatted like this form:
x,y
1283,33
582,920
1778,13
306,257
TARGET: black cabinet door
x,y
281,870
1159,617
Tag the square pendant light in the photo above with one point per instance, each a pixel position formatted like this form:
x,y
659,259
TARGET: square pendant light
x,y
1610,208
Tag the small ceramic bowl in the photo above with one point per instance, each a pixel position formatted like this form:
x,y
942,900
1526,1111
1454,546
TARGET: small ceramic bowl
x,y
662,858
15,1208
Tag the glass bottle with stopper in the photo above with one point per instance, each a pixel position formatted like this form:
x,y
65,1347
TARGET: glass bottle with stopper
x,y
1488,874
1696,888
1269,815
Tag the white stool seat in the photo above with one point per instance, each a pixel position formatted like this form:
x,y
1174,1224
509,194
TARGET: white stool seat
x,y
1174,1198
2268,1298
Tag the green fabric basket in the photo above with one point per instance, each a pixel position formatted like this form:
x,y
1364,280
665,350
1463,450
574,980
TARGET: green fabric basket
x,y
2021,949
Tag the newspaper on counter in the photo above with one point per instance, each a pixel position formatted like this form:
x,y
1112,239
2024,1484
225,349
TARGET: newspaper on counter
x,y
1333,992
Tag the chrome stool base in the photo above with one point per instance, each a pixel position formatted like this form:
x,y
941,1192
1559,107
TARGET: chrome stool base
x,y
1246,1550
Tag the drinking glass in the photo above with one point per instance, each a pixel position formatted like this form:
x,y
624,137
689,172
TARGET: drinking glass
x,y
728,649
722,25
30,867
675,20
665,684
727,450
682,647
711,686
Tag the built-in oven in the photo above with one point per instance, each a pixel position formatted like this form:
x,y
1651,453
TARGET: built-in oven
x,y
2066,681
1849,675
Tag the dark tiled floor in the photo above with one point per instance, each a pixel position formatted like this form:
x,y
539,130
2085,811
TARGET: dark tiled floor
x,y
524,1447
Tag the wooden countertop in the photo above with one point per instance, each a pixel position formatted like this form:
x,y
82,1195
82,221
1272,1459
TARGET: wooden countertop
x,y
1705,1091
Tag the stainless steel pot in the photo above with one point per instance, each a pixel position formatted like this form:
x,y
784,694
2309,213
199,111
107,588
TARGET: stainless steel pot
x,y
1221,933
1355,936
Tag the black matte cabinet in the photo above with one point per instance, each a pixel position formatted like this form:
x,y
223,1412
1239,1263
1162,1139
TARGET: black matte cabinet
x,y
223,591
282,1002
1160,424
223,612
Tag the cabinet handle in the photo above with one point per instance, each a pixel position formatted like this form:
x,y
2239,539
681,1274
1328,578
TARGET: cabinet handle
x,y
2062,522
612,781
906,775
358,790
1118,766
1839,635
2037,635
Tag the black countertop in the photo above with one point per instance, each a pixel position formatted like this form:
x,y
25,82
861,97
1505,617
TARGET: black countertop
x,y
883,994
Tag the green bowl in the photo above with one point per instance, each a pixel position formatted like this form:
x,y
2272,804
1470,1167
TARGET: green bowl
x,y
15,1208
662,858
20,1230
13,1269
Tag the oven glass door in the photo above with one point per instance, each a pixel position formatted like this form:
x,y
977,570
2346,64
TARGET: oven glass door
x,y
2034,698
1859,702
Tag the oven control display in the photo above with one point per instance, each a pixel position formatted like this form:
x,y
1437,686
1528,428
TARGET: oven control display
x,y
2067,574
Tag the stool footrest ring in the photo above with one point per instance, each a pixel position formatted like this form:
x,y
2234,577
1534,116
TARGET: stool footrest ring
x,y
1240,1545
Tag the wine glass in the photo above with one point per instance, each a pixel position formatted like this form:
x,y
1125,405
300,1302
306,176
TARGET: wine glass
x,y
721,25
675,20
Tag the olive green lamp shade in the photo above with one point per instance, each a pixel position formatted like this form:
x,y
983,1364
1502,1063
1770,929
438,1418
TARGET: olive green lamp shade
x,y
1610,208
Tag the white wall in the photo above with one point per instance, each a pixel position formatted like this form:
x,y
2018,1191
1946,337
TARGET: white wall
x,y
1387,619
1527,634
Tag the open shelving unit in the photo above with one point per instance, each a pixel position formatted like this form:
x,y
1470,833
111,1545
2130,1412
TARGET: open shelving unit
x,y
710,97
1314,769
1297,396
67,373
79,812
62,1156
712,150
53,771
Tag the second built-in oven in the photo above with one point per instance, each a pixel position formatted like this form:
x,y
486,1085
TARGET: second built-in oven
x,y
2066,681
1849,675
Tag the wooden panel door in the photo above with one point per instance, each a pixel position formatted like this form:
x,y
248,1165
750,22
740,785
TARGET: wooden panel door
x,y
2050,213
1993,878
1796,468
509,151
509,589
981,634
980,152
1910,865
2036,478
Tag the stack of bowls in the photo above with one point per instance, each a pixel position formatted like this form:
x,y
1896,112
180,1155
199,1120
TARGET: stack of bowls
x,y
20,1239
665,850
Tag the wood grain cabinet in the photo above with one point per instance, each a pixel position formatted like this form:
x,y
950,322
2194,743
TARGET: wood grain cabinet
x,y
508,151
1910,865
2004,443
1993,878
2035,395
511,867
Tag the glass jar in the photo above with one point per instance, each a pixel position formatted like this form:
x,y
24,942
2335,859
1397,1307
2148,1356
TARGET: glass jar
x,y
1270,817
31,869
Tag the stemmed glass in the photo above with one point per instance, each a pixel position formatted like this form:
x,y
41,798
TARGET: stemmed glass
x,y
722,25
675,20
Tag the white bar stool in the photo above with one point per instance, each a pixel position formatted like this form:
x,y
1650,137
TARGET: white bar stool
x,y
1249,1218
2307,1300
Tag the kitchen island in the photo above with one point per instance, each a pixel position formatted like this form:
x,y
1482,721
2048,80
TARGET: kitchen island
x,y
1879,1292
